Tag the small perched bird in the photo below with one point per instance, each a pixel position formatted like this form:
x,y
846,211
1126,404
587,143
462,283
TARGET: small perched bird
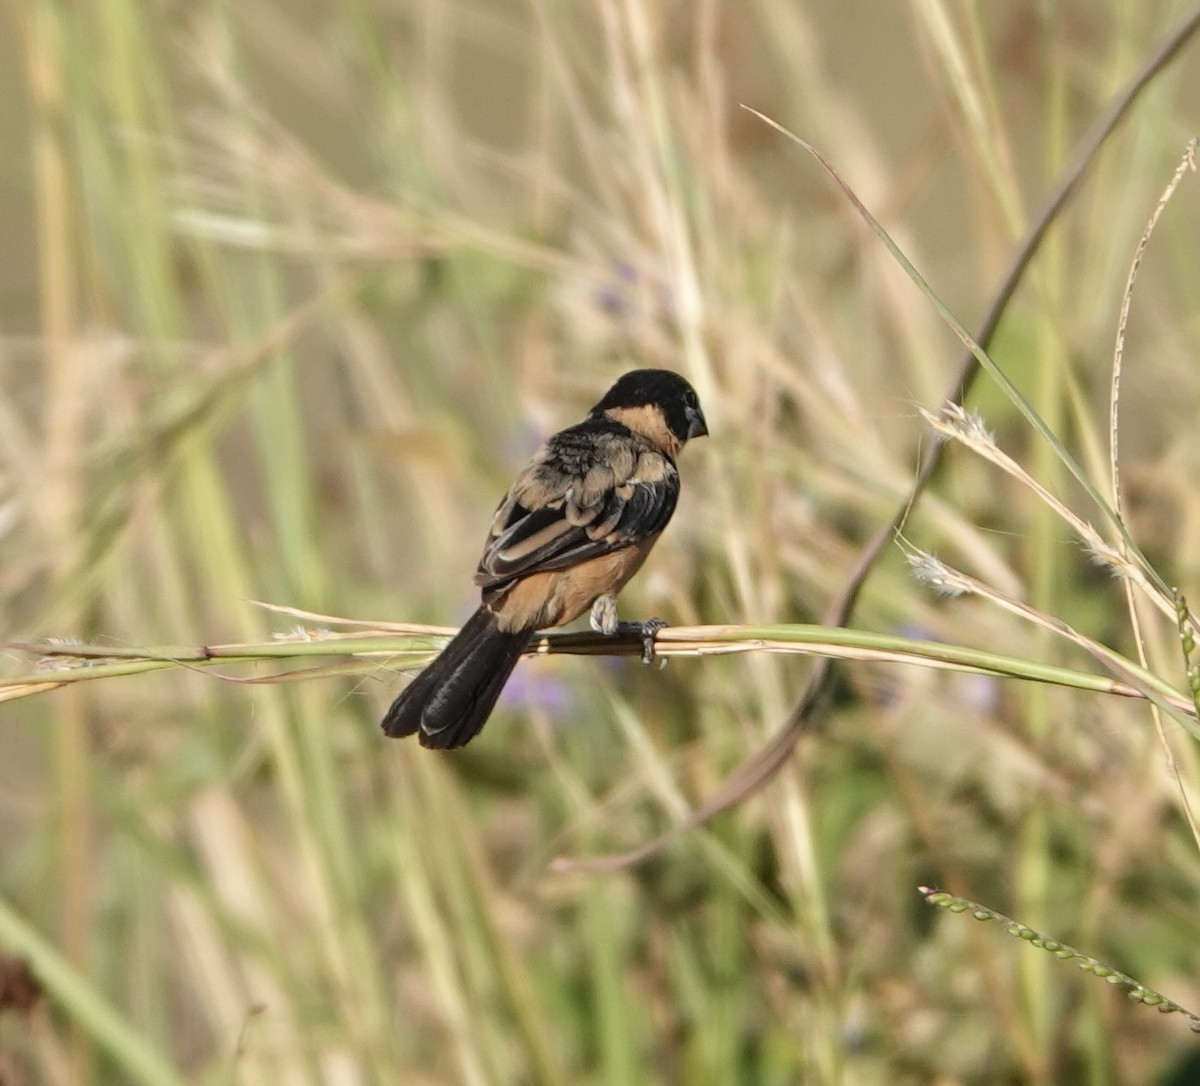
x,y
575,526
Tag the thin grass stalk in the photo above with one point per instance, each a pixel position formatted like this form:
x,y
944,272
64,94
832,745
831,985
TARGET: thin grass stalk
x,y
56,209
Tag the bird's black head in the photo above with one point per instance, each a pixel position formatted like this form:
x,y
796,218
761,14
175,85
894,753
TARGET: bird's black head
x,y
655,392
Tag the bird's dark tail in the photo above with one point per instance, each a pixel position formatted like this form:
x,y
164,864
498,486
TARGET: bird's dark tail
x,y
452,698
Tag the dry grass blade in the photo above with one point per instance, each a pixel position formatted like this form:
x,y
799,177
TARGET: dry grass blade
x,y
65,664
1187,627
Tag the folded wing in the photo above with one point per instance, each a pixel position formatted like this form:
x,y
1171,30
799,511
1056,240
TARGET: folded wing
x,y
585,495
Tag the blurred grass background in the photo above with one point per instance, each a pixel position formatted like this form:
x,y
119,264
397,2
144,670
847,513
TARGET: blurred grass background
x,y
289,290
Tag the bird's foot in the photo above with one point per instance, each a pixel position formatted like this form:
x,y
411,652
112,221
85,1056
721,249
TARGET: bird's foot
x,y
646,631
604,621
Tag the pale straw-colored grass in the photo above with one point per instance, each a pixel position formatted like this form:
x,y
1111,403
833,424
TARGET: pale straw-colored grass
x,y
311,285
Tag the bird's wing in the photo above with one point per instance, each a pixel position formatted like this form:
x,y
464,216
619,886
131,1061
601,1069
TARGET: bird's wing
x,y
590,491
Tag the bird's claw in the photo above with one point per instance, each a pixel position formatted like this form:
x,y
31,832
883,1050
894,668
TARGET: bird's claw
x,y
646,631
604,621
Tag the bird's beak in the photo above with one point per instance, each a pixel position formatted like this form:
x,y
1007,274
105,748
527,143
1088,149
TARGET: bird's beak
x,y
697,427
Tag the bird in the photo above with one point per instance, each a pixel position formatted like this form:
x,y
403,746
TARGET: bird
x,y
574,527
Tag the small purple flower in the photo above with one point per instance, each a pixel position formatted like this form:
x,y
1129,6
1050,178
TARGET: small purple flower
x,y
613,296
529,690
